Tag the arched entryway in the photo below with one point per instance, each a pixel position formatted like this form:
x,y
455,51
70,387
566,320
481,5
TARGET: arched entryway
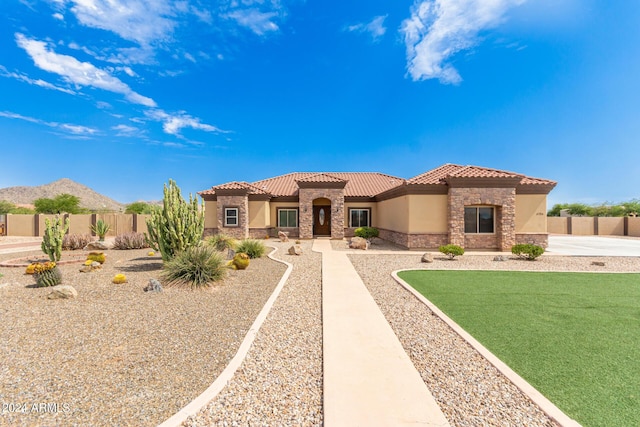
x,y
322,217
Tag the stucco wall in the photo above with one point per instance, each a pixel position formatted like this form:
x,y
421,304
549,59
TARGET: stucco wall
x,y
20,225
259,214
634,226
80,224
210,214
582,226
557,225
428,213
393,214
531,213
610,226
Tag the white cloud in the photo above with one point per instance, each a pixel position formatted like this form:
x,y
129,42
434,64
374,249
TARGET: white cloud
x,y
257,21
76,130
76,72
142,21
37,82
375,28
126,130
58,16
438,29
172,124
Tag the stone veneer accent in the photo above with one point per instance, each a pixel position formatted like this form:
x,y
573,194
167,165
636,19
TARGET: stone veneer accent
x,y
306,196
234,201
415,241
504,202
540,239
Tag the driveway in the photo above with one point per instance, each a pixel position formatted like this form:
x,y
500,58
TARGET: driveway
x,y
593,246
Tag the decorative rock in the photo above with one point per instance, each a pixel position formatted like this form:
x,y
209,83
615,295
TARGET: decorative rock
x,y
427,257
598,263
85,269
359,243
230,253
295,250
92,246
153,286
62,292
499,258
283,236
95,265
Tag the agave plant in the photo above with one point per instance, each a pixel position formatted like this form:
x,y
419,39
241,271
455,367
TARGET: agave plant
x,y
101,229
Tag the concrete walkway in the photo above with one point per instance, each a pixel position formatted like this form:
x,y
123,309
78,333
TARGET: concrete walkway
x,y
369,379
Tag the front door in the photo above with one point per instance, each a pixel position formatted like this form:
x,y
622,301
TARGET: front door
x,y
322,220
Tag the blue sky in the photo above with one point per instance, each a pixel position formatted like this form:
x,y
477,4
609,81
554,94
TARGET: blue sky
x,y
121,95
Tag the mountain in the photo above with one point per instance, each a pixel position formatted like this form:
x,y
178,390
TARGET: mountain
x,y
89,199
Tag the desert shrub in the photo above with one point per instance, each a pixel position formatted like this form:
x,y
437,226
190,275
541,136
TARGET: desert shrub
x,y
131,240
367,232
197,267
451,250
97,257
100,229
252,247
72,242
527,251
221,242
47,274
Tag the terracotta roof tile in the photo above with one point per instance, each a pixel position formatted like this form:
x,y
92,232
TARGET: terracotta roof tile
x,y
234,185
320,177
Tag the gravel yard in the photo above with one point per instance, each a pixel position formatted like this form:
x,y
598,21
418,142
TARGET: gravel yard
x,y
280,381
116,355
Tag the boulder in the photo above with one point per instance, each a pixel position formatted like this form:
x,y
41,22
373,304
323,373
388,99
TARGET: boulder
x,y
598,263
95,265
62,292
153,286
295,250
96,246
283,236
427,257
499,258
359,243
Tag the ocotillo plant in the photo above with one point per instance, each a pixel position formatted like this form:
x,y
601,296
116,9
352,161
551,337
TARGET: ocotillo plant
x,y
52,239
177,226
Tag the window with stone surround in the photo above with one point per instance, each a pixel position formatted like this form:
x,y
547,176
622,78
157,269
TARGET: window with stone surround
x,y
359,217
287,218
479,219
231,217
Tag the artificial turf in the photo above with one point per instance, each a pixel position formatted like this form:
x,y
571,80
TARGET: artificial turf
x,y
574,336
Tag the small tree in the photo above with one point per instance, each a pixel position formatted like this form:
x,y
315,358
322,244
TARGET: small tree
x,y
138,208
451,250
66,203
177,226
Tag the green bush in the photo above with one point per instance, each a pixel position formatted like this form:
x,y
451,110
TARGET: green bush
x,y
131,240
527,251
252,247
101,229
72,242
221,242
367,232
196,267
451,250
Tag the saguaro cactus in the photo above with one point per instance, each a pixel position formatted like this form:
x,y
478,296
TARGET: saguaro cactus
x,y
177,226
52,239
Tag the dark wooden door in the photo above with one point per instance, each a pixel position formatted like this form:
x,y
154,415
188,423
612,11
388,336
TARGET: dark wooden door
x,y
322,220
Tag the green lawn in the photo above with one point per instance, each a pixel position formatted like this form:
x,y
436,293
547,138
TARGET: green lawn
x,y
573,336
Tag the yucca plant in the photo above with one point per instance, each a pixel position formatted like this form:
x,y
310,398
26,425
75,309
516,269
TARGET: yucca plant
x,y
101,228
221,242
196,267
252,247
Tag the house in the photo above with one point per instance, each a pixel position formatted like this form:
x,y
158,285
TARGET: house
x,y
470,206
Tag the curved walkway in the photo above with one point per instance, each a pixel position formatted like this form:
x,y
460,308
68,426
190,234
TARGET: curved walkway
x,y
368,377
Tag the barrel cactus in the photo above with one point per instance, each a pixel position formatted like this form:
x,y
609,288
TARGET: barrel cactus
x,y
119,278
97,256
47,274
240,261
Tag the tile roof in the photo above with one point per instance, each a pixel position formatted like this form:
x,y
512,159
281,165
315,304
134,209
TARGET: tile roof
x,y
370,184
359,184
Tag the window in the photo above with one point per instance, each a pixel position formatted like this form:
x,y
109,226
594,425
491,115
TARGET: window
x,y
478,220
359,217
231,217
287,218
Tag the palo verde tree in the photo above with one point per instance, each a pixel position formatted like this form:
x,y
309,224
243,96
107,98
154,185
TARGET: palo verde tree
x,y
62,203
177,226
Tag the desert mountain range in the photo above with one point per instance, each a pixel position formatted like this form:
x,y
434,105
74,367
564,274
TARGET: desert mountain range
x,y
90,199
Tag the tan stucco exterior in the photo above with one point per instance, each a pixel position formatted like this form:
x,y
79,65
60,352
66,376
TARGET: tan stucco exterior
x,y
531,213
393,214
259,214
428,213
210,214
